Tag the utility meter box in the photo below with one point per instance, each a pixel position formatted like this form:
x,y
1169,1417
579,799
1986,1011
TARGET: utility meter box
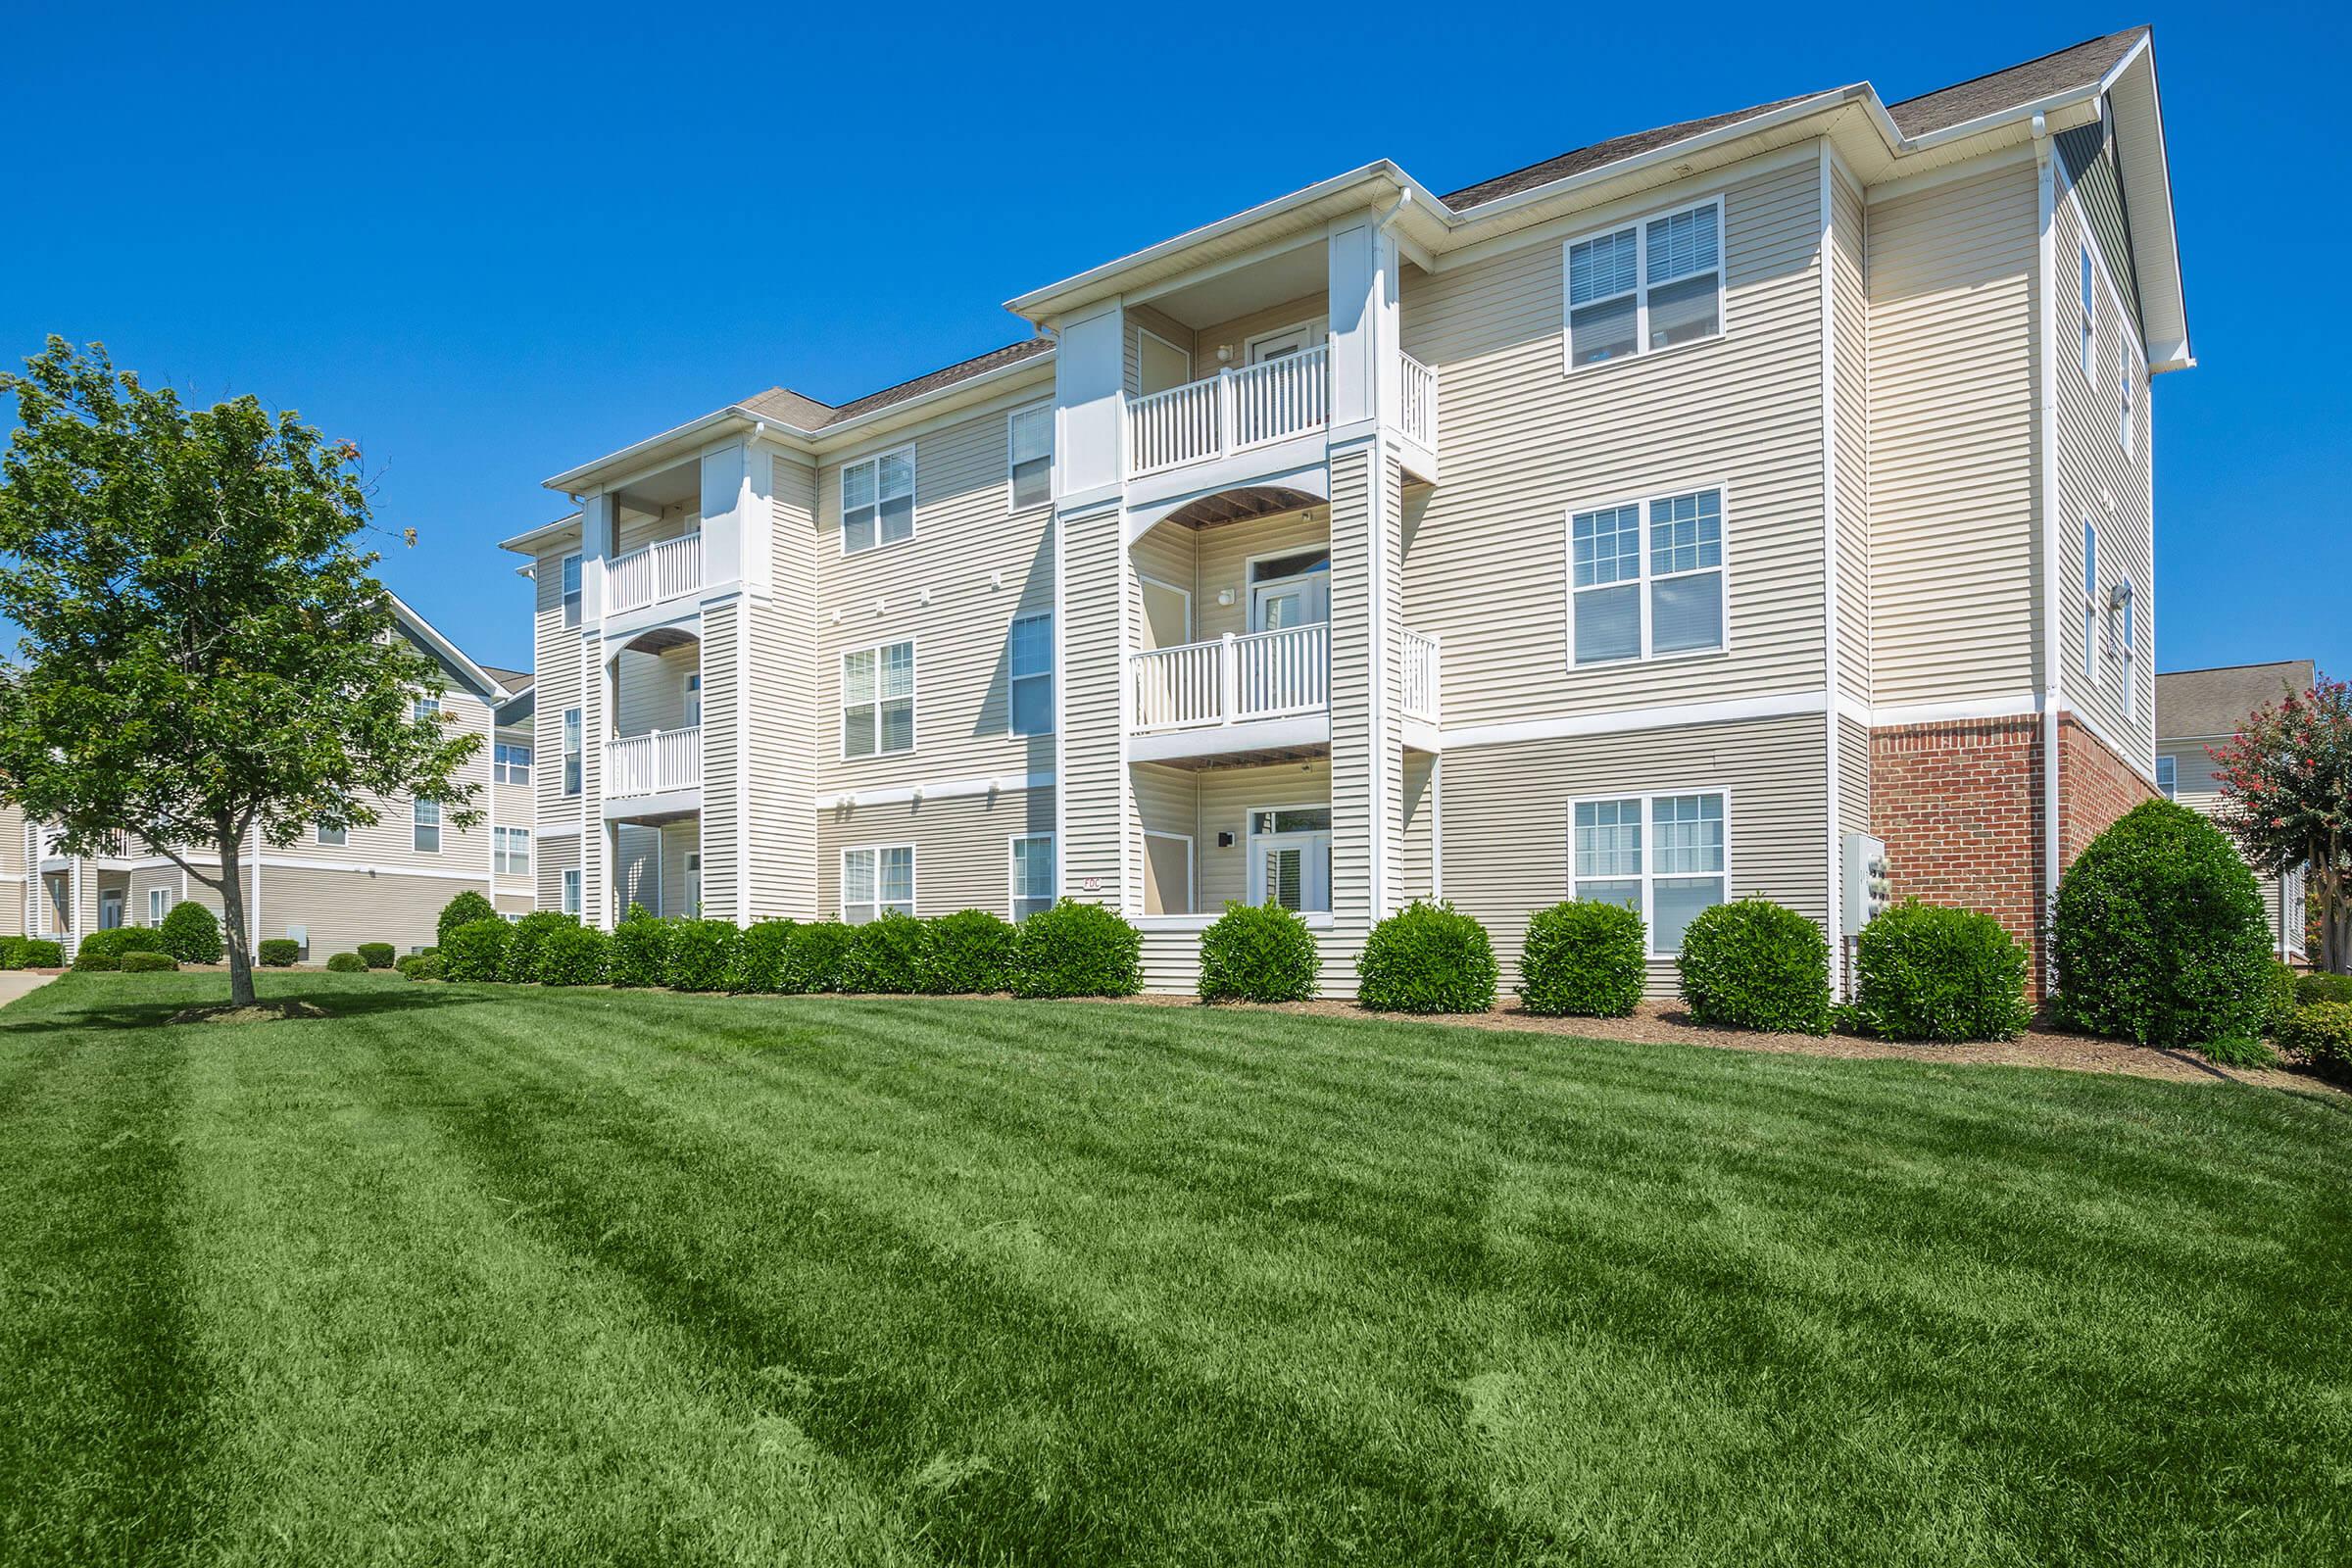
x,y
1868,892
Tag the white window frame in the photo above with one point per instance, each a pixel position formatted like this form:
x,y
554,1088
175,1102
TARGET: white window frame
x,y
574,776
1254,868
1012,458
505,769
873,461
1639,224
843,704
1649,873
1642,584
1012,888
1191,872
879,904
504,859
158,905
2129,641
1012,680
418,825
570,588
2088,306
340,840
692,700
570,893
2167,776
1312,333
426,706
2127,374
2090,602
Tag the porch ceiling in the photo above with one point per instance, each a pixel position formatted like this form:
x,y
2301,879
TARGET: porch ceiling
x,y
1257,758
1241,505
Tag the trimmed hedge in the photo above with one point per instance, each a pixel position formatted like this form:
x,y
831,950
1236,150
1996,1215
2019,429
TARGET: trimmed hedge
x,y
346,964
380,954
277,953
466,909
521,967
1077,949
2322,1035
191,933
572,956
1427,957
888,955
2278,1002
1584,960
1929,973
814,961
104,950
31,953
1754,964
146,960
2159,935
700,955
761,954
421,965
1257,952
639,952
476,949
2323,987
971,953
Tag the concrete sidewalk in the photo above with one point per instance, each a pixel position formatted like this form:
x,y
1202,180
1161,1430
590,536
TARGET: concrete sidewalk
x,y
15,983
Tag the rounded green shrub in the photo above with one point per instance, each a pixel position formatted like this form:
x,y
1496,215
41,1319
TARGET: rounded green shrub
x,y
1754,964
971,953
759,957
104,950
890,955
2321,1034
346,964
1077,949
148,962
277,953
1257,952
466,909
476,949
34,952
1427,957
2278,1002
521,967
700,955
377,954
2159,934
813,961
1584,960
2323,987
639,952
1923,972
421,965
571,956
191,933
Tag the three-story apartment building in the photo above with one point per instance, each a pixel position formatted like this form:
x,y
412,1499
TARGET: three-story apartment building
x,y
1644,524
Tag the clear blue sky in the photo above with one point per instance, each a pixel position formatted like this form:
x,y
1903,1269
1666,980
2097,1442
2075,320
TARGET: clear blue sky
x,y
490,244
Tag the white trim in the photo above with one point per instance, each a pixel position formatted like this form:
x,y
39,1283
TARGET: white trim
x,y
1300,329
1648,873
566,618
1013,897
1191,869
290,862
1977,168
841,705
572,889
1834,846
1641,584
417,825
1012,503
1640,225
841,886
1253,870
1011,680
2016,705
2052,510
841,491
1173,347
2087,278
1775,705
1145,580
946,790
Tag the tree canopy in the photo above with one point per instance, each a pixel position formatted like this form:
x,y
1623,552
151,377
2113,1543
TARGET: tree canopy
x,y
2286,797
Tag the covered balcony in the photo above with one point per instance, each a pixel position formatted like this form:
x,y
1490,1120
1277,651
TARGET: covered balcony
x,y
653,762
655,572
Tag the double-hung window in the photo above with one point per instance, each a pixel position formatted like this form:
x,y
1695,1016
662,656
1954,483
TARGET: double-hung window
x,y
875,881
427,708
333,837
571,751
158,905
2168,778
511,850
572,889
1633,595
1029,661
1664,857
571,591
693,700
2089,323
511,763
2126,376
1031,874
1650,285
1029,455
425,824
2130,651
877,700
2090,602
877,501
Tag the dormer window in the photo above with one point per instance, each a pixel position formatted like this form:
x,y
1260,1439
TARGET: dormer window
x,y
1650,285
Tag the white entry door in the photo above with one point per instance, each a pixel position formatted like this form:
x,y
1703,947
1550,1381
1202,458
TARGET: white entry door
x,y
1289,340
1290,857
110,910
694,885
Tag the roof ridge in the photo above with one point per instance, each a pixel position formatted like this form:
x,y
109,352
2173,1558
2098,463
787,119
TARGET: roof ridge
x,y
2020,64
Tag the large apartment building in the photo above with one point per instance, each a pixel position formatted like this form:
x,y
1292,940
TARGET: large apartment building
x,y
333,889
1643,524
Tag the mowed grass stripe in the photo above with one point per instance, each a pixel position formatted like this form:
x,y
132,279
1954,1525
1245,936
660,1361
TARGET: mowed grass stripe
x,y
104,1440
407,1373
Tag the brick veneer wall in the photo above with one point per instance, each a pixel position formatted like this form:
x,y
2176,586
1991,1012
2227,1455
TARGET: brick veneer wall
x,y
1960,808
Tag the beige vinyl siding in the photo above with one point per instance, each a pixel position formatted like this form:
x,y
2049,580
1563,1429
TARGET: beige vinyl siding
x,y
1236,332
981,567
962,845
652,688
637,869
1526,442
722,808
1853,777
1954,557
1141,318
2098,481
1849,327
1415,869
145,880
340,910
556,669
1219,800
1508,816
635,529
550,860
390,843
1356,815
786,722
679,840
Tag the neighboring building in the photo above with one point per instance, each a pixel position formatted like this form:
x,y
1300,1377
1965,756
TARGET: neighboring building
x,y
1634,526
333,890
2200,708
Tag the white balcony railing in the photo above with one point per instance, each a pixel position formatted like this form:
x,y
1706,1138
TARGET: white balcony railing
x,y
1229,412
654,765
1417,411
664,569
1420,658
1265,674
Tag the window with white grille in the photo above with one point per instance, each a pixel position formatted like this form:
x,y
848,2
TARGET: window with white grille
x,y
1029,456
1649,285
1646,578
875,880
877,501
1664,857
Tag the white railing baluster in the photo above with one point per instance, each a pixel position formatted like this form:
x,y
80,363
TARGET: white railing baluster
x,y
1263,675
653,764
1420,659
665,569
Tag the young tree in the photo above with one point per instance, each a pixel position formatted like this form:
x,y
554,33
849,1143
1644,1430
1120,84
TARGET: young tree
x,y
2286,797
207,662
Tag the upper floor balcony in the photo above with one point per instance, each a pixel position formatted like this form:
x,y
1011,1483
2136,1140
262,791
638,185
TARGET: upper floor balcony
x,y
1241,409
653,757
657,762
651,574
1259,690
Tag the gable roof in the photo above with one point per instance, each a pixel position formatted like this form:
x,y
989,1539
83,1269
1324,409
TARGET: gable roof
x,y
453,657
2198,702
804,413
2080,65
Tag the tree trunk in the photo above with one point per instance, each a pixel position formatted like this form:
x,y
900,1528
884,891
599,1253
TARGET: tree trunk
x,y
232,922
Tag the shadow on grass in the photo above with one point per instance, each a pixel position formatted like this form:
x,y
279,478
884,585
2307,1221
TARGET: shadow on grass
x,y
339,1001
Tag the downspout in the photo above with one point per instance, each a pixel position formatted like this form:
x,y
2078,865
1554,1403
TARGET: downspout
x,y
2053,651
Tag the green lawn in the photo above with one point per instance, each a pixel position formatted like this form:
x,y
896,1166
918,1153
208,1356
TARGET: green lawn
x,y
470,1275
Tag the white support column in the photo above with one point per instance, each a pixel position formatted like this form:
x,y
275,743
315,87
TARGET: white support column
x,y
1089,377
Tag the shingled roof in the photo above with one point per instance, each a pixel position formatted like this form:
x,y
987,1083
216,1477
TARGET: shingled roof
x,y
807,414
2215,701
